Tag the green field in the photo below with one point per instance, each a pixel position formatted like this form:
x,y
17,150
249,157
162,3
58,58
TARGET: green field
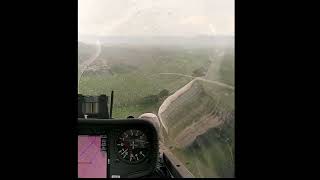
x,y
132,82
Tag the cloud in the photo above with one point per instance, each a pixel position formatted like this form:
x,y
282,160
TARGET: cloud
x,y
212,30
195,20
155,17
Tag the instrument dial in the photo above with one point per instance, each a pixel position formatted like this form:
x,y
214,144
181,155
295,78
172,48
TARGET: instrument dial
x,y
132,146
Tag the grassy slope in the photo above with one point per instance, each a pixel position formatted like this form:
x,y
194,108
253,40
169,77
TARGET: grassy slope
x,y
210,151
211,154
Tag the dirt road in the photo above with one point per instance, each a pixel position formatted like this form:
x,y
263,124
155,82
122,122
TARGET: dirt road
x,y
90,60
202,79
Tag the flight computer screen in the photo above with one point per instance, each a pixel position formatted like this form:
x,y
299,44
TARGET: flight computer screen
x,y
92,156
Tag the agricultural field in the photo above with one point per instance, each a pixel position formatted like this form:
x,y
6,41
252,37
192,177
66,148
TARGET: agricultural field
x,y
135,74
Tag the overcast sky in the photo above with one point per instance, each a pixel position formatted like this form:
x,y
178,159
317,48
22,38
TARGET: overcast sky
x,y
155,17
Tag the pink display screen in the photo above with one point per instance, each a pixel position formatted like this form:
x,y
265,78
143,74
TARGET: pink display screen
x,y
92,156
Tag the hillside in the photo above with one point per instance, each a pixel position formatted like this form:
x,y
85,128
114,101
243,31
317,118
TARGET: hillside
x,y
200,123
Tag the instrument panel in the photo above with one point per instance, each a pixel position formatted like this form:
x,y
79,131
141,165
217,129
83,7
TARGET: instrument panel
x,y
116,148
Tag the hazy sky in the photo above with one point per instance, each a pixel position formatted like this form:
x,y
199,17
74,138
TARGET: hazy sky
x,y
156,17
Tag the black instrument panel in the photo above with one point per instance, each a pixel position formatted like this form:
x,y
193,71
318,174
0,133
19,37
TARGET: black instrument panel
x,y
130,145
